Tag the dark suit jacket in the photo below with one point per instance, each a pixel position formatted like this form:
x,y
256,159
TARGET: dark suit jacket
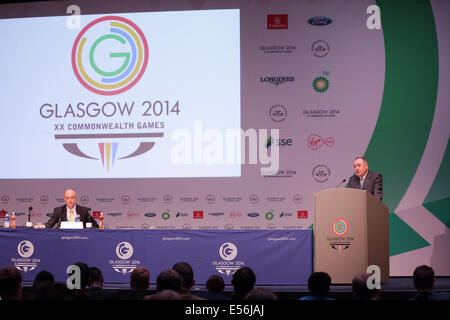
x,y
373,183
60,214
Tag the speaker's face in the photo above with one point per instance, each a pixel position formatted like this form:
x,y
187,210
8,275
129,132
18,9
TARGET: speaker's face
x,y
70,198
360,167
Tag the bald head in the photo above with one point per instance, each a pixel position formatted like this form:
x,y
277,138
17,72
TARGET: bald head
x,y
70,198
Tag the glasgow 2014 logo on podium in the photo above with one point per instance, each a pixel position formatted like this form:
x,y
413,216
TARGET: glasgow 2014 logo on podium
x,y
339,241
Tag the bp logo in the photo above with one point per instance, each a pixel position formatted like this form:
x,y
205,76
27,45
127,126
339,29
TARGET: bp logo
x,y
165,215
228,265
25,263
109,55
320,84
340,227
269,215
124,251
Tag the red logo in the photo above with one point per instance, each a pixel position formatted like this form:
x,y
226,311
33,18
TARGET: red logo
x,y
302,214
277,21
96,214
2,214
316,142
131,214
198,214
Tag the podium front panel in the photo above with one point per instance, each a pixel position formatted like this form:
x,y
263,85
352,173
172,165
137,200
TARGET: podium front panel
x,y
340,242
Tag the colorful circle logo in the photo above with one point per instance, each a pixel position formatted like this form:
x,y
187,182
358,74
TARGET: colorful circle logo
x,y
109,55
321,84
340,227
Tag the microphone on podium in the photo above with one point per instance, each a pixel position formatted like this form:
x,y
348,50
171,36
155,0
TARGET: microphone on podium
x,y
341,183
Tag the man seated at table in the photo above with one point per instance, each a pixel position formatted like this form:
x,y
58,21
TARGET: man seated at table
x,y
70,212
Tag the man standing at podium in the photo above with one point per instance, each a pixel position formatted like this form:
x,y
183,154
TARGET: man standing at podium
x,y
71,212
366,180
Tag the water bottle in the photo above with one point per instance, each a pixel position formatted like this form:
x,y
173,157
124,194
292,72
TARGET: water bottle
x,y
102,220
6,224
13,220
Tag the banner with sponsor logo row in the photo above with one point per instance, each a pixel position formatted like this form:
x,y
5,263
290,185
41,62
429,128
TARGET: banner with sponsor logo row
x,y
224,115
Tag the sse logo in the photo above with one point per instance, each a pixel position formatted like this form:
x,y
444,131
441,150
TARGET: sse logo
x,y
109,55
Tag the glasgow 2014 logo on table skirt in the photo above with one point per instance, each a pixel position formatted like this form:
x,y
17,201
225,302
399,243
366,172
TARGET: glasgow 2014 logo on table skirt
x,y
228,252
124,251
25,263
120,40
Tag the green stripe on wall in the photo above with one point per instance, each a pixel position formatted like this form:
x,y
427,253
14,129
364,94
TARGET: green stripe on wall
x,y
402,238
407,108
438,198
409,96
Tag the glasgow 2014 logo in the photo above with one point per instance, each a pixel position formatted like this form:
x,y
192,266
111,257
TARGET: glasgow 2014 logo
x,y
109,55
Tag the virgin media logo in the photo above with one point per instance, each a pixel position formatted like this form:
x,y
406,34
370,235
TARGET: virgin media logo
x,y
316,142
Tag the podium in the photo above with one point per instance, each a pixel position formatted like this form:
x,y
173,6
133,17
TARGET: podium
x,y
351,232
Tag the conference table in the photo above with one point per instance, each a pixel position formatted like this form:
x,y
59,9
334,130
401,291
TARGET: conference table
x,y
278,257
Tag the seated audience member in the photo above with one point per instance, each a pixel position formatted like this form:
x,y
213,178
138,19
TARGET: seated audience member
x,y
261,294
215,287
360,289
186,272
43,276
95,290
169,280
30,293
10,284
243,281
139,283
46,290
423,278
164,295
319,286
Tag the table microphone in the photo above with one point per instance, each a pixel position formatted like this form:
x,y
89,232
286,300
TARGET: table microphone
x,y
29,224
341,183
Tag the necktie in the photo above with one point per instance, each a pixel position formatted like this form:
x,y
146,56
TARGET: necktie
x,y
71,215
362,182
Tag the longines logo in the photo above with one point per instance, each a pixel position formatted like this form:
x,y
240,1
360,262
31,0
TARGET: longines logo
x,y
277,80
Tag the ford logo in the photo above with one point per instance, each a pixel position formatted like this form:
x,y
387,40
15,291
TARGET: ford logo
x,y
319,21
150,214
253,214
